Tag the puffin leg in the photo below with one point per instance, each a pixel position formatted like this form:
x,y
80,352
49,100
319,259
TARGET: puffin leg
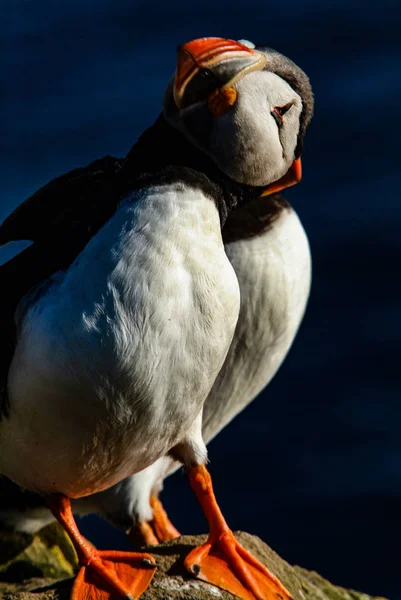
x,y
103,575
159,529
222,560
161,524
143,534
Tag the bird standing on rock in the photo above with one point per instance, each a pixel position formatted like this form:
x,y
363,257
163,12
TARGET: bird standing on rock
x,y
268,249
116,352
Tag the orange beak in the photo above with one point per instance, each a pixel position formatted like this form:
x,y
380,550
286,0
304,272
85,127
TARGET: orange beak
x,y
228,60
293,176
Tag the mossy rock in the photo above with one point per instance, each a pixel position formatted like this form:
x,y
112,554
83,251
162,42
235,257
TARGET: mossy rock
x,y
47,554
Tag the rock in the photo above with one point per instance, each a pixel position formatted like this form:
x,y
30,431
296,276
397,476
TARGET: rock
x,y
47,554
171,581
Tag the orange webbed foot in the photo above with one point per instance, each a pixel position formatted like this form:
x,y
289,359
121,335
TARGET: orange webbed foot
x,y
103,575
112,575
228,565
222,560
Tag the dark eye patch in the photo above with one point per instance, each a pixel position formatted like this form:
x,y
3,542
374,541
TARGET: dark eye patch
x,y
200,86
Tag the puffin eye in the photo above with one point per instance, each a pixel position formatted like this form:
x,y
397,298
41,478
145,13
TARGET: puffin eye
x,y
205,74
281,110
200,86
278,113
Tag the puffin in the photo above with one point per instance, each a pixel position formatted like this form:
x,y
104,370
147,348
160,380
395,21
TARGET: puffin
x,y
269,251
125,318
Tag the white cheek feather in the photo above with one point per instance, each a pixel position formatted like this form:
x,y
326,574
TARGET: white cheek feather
x,y
115,360
246,142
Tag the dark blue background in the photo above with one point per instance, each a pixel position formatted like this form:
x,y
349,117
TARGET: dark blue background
x,y
314,465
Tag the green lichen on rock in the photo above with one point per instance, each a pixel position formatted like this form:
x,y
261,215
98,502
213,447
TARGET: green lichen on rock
x,y
47,554
172,582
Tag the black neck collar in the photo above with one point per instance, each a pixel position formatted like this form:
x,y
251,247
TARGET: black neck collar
x,y
162,154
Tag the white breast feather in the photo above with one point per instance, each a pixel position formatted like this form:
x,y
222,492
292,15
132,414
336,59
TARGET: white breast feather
x,y
114,362
274,274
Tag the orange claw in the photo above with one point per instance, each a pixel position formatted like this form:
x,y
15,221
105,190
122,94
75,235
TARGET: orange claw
x,y
161,524
104,575
222,560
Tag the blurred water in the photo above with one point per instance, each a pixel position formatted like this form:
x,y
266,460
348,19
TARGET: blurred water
x,y
313,466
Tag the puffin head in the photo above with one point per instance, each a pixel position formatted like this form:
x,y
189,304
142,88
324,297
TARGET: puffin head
x,y
246,107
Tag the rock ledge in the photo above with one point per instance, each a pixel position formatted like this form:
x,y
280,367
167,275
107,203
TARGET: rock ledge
x,y
171,582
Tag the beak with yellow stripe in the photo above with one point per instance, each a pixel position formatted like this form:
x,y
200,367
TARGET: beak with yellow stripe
x,y
246,107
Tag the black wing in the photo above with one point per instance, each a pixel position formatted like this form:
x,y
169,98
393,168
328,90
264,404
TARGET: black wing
x,y
65,201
